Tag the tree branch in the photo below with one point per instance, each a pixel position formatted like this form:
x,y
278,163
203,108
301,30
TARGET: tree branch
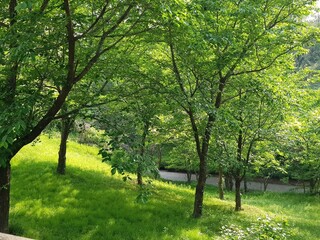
x,y
99,50
103,11
44,5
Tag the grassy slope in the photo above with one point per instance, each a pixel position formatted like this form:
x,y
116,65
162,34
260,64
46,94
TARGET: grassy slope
x,y
89,203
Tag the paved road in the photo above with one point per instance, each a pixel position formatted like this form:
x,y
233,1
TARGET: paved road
x,y
182,177
11,237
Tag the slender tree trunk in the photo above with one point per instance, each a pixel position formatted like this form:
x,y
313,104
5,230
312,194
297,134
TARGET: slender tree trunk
x,y
229,182
238,177
238,194
139,177
142,150
5,172
66,124
198,201
220,184
189,176
159,155
265,184
312,185
245,184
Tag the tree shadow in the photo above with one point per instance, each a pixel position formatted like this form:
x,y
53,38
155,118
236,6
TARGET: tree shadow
x,y
87,204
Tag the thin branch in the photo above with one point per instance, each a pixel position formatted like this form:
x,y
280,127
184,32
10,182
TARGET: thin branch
x,y
176,70
103,11
99,50
44,5
266,66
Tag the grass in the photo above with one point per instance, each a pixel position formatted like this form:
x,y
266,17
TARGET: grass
x,y
89,203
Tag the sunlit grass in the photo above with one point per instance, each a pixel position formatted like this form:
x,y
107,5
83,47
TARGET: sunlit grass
x,y
89,203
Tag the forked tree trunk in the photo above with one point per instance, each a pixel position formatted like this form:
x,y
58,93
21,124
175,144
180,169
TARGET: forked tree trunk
x,y
5,172
202,149
238,194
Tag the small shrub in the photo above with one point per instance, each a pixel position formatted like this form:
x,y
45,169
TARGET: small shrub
x,y
264,229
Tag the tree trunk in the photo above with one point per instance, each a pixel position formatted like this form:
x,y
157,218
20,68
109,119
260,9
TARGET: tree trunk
x,y
189,176
198,201
63,148
228,182
66,124
237,176
265,184
245,184
238,194
159,156
139,176
5,197
142,150
312,185
220,185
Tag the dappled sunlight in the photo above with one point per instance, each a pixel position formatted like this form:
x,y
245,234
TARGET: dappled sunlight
x,y
90,203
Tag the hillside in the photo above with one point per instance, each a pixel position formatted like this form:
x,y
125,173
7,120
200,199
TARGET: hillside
x,y
89,203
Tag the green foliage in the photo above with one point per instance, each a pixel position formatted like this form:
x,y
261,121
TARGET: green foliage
x,y
145,192
264,229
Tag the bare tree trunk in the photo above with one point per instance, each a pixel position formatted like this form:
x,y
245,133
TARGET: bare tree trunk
x,y
238,177
142,150
189,176
265,184
238,194
159,155
220,184
312,185
198,201
66,124
139,176
245,184
5,172
229,182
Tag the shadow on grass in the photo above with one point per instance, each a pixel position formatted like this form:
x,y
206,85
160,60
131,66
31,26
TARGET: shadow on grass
x,y
87,204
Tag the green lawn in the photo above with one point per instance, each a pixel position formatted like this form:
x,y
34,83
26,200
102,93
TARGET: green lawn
x,y
89,203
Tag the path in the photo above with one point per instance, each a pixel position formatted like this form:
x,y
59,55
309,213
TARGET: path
x,y
182,177
4,236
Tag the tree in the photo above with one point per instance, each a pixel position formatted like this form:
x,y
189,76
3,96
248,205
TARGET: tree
x,y
268,162
301,142
209,44
128,125
246,120
46,49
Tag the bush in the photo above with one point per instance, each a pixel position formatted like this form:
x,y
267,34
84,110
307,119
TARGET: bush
x,y
263,229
